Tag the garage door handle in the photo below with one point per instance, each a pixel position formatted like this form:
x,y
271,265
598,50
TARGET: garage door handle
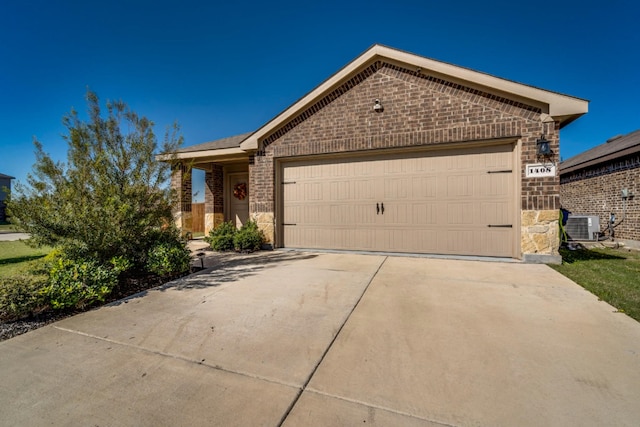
x,y
382,208
500,225
377,209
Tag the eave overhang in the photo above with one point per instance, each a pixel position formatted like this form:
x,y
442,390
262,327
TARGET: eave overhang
x,y
561,108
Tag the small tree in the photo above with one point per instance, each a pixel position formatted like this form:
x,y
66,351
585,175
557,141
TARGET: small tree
x,y
111,198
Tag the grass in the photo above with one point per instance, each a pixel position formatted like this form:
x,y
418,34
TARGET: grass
x,y
613,275
5,226
15,255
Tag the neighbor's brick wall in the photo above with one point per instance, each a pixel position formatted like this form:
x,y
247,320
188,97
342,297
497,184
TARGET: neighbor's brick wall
x,y
418,110
596,191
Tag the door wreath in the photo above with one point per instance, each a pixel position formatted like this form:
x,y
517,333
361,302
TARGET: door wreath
x,y
240,190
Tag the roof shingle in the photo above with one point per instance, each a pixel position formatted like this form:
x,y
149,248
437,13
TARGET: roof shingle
x,y
218,144
614,148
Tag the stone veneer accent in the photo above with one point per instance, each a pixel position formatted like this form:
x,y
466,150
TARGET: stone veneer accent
x,y
540,232
265,222
419,109
596,190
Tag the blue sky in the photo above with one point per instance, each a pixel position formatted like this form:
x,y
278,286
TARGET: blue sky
x,y
221,69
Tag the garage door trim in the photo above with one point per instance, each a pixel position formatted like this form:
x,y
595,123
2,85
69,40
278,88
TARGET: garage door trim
x,y
282,162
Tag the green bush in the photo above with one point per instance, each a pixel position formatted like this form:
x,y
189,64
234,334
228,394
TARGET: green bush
x,y
221,237
249,238
22,295
79,283
110,197
168,257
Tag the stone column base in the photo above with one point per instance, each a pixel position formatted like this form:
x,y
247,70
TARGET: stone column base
x,y
264,220
540,235
211,221
184,221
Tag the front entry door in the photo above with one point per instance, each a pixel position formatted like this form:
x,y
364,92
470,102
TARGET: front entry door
x,y
238,198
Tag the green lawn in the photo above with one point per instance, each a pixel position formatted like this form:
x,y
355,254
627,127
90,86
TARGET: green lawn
x,y
611,274
5,226
14,256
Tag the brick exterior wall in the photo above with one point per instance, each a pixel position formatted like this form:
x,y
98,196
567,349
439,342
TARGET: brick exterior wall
x,y
214,190
213,197
181,183
419,109
597,191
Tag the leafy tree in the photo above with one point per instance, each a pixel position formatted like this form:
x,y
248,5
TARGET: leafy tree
x,y
110,199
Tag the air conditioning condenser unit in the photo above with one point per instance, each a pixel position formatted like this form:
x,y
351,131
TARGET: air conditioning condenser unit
x,y
582,227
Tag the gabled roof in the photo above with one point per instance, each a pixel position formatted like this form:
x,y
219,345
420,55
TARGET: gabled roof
x,y
562,108
3,176
613,148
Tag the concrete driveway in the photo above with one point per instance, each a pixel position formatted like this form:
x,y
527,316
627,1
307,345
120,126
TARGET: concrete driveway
x,y
301,339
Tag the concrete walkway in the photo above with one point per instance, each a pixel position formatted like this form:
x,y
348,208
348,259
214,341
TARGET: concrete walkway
x,y
12,236
301,339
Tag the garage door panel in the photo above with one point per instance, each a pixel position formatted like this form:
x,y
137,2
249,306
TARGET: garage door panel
x,y
461,213
424,187
459,186
425,214
434,202
397,188
496,213
364,190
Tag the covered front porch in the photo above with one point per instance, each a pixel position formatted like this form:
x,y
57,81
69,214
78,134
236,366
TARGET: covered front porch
x,y
226,184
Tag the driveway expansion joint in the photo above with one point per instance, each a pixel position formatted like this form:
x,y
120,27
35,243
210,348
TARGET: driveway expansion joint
x,y
306,383
181,358
382,408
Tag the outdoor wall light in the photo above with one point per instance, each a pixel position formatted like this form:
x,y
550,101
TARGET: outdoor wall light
x,y
377,107
543,147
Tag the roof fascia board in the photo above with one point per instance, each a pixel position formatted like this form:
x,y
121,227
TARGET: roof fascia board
x,y
366,58
223,152
557,105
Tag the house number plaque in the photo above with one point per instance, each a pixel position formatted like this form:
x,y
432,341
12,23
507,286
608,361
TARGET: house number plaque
x,y
539,170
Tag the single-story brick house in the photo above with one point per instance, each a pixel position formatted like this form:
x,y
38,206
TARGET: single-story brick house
x,y
396,153
5,184
605,180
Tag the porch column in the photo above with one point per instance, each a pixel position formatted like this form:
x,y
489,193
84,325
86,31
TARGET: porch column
x,y
213,197
181,184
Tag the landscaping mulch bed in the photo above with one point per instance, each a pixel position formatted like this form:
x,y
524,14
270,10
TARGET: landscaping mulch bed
x,y
130,286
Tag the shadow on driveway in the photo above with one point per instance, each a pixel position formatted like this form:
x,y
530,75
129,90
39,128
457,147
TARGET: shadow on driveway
x,y
225,268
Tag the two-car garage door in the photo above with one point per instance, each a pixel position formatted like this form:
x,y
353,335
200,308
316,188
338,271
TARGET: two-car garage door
x,y
442,202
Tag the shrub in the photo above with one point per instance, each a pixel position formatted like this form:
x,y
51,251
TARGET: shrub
x,y
110,198
79,283
22,295
166,258
221,237
249,238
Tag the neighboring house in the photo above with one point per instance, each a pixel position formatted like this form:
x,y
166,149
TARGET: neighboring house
x,y
605,180
396,153
5,184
